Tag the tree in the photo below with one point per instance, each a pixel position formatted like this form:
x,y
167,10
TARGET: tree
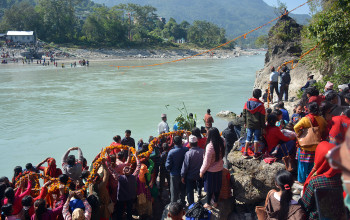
x,y
58,20
21,17
171,29
105,26
261,41
280,8
206,34
330,29
143,20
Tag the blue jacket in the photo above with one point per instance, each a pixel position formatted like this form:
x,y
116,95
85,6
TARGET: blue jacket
x,y
192,163
175,159
285,115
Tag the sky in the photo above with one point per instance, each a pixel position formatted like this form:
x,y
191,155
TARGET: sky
x,y
291,4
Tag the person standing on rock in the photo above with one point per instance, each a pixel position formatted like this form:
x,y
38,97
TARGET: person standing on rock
x,y
230,138
284,83
208,119
254,122
273,83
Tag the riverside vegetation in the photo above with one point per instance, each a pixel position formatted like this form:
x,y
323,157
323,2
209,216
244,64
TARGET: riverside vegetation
x,y
82,22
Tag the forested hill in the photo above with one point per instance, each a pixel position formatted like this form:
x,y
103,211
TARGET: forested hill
x,y
236,16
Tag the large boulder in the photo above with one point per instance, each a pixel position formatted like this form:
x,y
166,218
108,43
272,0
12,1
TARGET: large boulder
x,y
252,178
284,44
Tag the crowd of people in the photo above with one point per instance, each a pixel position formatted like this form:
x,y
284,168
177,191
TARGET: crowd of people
x,y
126,178
313,135
121,183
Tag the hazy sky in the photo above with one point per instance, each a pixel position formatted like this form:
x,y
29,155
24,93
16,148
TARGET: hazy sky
x,y
291,4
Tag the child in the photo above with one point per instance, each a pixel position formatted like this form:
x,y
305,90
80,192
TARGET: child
x,y
289,131
299,113
280,204
280,122
254,120
266,95
176,211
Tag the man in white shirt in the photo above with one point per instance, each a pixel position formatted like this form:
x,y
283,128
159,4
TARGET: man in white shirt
x,y
163,126
273,83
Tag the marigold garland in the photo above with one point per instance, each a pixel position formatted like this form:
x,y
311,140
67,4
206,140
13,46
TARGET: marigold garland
x,y
93,174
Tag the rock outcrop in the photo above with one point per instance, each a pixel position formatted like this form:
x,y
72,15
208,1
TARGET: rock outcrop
x,y
284,44
252,178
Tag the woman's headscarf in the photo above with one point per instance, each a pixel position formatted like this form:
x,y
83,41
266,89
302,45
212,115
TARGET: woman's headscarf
x,y
51,169
321,167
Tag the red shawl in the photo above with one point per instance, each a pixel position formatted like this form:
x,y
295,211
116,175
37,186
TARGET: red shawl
x,y
321,167
51,169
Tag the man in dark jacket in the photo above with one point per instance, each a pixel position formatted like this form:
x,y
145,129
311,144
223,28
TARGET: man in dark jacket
x,y
284,83
230,137
173,164
254,118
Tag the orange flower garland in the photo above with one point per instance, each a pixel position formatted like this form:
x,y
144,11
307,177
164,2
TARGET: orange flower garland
x,y
55,186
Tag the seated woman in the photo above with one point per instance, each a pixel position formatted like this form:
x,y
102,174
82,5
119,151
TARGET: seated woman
x,y
280,205
321,176
278,144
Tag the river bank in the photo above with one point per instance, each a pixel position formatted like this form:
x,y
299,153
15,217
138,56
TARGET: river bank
x,y
69,54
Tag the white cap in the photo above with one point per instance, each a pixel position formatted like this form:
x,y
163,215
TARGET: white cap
x,y
163,116
192,139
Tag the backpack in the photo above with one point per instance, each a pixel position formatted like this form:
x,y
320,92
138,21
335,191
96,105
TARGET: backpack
x,y
197,211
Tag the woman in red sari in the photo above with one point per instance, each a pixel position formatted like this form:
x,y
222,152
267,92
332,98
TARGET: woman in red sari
x,y
51,169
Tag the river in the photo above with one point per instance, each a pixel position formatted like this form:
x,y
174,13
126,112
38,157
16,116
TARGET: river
x,y
46,110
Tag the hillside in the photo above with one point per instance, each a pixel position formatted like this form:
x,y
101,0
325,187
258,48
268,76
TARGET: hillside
x,y
235,16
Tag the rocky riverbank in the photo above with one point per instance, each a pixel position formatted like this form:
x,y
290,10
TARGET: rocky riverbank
x,y
64,53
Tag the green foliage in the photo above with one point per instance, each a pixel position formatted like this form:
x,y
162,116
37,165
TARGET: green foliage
x,y
185,122
58,21
280,8
104,26
261,41
236,16
203,33
84,23
21,16
330,28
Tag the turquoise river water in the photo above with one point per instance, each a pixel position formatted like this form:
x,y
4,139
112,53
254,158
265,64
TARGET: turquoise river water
x,y
46,110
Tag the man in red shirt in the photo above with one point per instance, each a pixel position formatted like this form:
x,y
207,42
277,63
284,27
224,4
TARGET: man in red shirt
x,y
208,120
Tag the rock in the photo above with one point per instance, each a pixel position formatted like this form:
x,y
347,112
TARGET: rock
x,y
253,179
284,44
226,114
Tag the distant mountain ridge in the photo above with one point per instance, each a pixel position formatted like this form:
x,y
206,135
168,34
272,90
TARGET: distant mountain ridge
x,y
236,16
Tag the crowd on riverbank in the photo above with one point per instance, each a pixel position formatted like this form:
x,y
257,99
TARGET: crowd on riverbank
x,y
127,178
